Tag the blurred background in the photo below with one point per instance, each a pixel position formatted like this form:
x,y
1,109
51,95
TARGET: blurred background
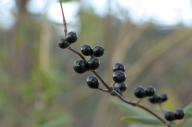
x,y
38,87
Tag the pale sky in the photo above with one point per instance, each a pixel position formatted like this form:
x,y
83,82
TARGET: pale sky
x,y
162,12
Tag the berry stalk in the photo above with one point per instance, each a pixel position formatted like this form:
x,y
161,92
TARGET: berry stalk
x,y
118,87
121,97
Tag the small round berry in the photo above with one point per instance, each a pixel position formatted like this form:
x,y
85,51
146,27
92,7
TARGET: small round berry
x,y
121,86
93,63
98,51
154,99
92,82
80,66
87,50
140,92
119,66
169,116
150,91
71,37
63,43
163,98
119,76
115,90
179,114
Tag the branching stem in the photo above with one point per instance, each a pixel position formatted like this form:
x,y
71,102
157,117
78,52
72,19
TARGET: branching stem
x,y
108,88
64,20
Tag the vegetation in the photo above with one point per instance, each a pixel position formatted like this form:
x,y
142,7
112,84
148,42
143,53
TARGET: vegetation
x,y
39,88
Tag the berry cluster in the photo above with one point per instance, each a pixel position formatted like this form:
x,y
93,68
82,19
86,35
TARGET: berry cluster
x,y
90,62
68,40
81,66
119,77
141,92
177,115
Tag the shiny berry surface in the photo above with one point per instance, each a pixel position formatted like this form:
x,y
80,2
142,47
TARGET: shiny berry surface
x,y
98,51
92,82
169,116
80,66
150,91
140,92
119,76
63,43
86,50
71,37
179,114
93,63
118,67
121,86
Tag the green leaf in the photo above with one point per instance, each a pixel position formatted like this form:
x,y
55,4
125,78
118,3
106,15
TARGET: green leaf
x,y
188,111
140,120
61,121
132,111
136,115
187,123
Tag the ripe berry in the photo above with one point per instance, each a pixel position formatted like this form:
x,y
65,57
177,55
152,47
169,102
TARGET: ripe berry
x,y
80,66
87,50
98,51
71,37
118,66
150,91
163,98
179,114
121,86
63,43
169,116
92,82
140,92
154,99
119,76
93,63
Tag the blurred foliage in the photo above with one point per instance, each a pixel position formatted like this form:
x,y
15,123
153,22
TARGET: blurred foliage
x,y
40,89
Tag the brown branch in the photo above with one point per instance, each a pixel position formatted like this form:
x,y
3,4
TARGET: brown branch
x,y
109,89
64,20
121,97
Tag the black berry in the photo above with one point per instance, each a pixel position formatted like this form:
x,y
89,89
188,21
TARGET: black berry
x,y
169,116
179,114
118,66
150,91
121,86
87,50
98,51
92,82
163,98
154,99
71,37
80,66
140,92
119,76
63,43
93,63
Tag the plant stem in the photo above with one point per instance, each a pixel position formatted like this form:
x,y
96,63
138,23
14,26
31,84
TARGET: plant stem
x,y
109,89
121,97
64,20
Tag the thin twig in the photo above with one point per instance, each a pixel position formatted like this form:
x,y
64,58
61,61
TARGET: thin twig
x,y
76,52
135,104
108,90
64,20
103,90
121,97
104,83
94,72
